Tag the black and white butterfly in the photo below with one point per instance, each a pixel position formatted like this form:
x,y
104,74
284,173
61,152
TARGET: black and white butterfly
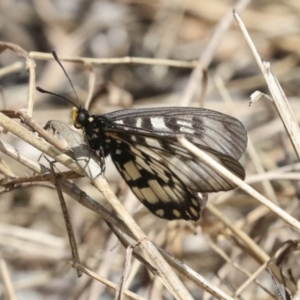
x,y
170,181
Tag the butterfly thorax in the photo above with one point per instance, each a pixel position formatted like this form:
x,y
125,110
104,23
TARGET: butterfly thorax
x,y
93,128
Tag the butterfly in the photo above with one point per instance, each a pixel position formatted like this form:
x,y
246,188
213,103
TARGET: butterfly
x,y
169,180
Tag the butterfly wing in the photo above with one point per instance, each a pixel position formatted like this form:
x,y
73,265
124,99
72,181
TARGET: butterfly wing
x,y
203,127
166,177
155,184
171,182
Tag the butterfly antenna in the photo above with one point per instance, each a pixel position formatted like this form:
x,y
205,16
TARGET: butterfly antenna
x,y
59,96
62,67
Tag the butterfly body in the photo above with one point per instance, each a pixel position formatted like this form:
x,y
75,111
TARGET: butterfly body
x,y
94,129
170,181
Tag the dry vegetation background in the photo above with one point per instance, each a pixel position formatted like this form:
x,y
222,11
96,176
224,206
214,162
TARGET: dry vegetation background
x,y
237,237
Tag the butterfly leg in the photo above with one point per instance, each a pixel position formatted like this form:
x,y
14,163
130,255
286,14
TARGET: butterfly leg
x,y
102,160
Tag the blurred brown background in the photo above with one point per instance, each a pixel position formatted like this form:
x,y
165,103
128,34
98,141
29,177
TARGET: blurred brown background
x,y
33,239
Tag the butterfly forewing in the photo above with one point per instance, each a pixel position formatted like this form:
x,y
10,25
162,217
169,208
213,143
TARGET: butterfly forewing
x,y
170,181
201,126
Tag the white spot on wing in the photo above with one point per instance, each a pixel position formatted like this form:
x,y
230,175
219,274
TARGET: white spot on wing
x,y
171,194
138,193
186,127
138,122
159,171
188,214
195,202
158,168
119,122
132,171
187,130
159,191
136,151
149,195
178,194
183,123
158,123
160,213
149,152
153,142
139,161
194,212
176,213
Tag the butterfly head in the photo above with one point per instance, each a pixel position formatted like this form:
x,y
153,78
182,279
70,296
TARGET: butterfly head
x,y
80,117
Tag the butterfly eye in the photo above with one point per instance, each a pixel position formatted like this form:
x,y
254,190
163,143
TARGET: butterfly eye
x,y
82,118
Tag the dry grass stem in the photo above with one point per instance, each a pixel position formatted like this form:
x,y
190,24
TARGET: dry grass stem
x,y
110,284
118,60
10,292
208,54
38,143
283,107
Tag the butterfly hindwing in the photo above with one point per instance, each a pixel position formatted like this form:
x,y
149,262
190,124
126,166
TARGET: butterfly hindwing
x,y
161,191
165,176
